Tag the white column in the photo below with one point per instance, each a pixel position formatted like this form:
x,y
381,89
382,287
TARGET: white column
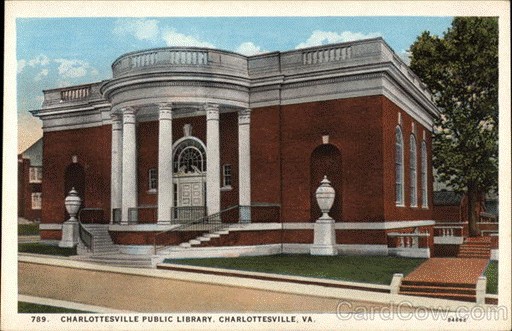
x,y
212,159
116,165
244,164
129,182
165,184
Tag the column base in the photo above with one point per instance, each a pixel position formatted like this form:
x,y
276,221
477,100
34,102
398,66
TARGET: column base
x,y
69,234
163,222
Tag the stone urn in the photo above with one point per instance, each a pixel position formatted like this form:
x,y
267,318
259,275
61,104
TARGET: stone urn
x,y
325,197
324,230
72,203
70,228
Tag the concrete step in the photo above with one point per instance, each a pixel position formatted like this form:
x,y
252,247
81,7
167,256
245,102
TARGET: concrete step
x,y
211,235
187,244
449,296
203,238
437,289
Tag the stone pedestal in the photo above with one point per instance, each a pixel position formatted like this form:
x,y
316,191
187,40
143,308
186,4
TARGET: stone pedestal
x,y
325,238
325,233
69,234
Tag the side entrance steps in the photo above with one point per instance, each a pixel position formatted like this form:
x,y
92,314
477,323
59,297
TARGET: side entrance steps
x,y
460,292
106,252
445,278
475,248
205,238
102,242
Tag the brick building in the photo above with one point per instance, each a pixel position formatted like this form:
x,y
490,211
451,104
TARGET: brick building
x,y
185,134
30,173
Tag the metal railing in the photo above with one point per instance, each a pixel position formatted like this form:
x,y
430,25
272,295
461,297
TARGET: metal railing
x,y
142,214
256,212
85,235
185,215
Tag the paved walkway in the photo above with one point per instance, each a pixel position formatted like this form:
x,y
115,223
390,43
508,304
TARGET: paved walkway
x,y
449,271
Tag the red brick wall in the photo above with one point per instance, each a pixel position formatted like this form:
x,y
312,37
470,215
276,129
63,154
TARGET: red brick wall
x,y
228,131
265,155
446,213
390,121
354,127
92,147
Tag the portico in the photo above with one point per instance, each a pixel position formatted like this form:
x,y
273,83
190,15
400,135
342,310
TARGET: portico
x,y
188,175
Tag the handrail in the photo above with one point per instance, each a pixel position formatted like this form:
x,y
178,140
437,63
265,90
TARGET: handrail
x,y
85,235
210,219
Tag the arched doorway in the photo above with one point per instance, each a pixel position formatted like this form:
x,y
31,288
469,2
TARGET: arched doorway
x,y
74,177
189,176
326,161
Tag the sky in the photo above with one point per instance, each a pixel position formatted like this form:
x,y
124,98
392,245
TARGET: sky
x,y
58,52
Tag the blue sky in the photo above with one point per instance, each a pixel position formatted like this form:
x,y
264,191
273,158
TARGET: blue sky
x,y
56,52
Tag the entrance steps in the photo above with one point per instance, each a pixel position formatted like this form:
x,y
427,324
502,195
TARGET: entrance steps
x,y
205,238
102,242
475,248
445,278
460,292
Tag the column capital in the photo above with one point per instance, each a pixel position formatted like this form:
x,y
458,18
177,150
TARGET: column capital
x,y
212,111
165,111
117,121
129,115
244,116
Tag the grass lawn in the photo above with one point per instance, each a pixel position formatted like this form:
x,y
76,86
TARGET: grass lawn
x,y
28,229
32,308
39,248
492,277
366,269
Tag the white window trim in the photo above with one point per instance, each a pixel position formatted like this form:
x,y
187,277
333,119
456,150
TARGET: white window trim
x,y
227,187
424,175
152,189
399,202
35,175
36,198
413,171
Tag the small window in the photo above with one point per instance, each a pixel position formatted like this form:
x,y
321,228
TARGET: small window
x,y
226,171
36,201
35,174
153,179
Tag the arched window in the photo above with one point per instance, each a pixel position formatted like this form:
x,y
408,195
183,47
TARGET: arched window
x,y
189,157
399,167
424,178
413,172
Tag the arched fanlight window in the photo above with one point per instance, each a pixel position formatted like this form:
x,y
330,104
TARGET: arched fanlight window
x,y
189,157
399,167
413,172
424,178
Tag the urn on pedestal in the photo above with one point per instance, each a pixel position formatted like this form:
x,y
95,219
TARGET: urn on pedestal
x,y
70,227
324,233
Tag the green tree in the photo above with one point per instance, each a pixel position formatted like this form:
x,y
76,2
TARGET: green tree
x,y
461,70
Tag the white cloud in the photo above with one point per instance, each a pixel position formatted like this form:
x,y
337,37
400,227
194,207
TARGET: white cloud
x,y
39,99
74,68
41,59
173,38
142,29
21,64
318,37
41,74
249,48
405,56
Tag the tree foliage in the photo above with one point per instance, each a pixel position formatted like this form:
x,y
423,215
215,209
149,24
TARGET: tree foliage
x,y
461,70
